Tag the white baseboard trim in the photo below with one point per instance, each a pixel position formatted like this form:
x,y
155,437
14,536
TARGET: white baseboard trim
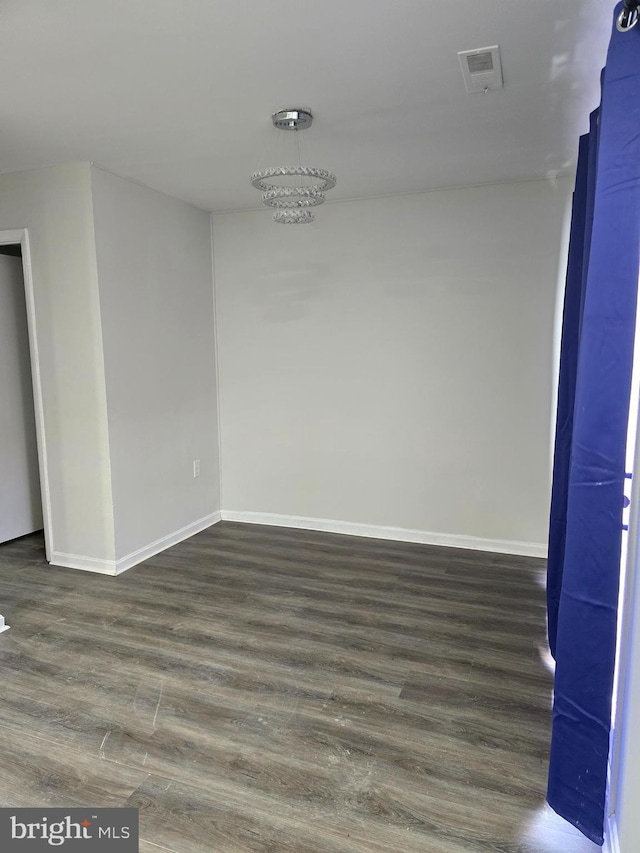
x,y
611,839
117,567
3,626
84,564
165,542
399,534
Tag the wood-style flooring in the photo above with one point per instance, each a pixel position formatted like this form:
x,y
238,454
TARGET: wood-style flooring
x,y
269,690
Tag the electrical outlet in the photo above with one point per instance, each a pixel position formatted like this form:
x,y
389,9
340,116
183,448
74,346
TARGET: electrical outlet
x,y
196,467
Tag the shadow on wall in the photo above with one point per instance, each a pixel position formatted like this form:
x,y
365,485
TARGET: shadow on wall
x,y
286,294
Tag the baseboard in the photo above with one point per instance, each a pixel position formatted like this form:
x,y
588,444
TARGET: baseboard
x,y
165,542
372,531
117,567
399,534
3,626
84,564
611,839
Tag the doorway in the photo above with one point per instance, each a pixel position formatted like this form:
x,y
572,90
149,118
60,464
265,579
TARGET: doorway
x,y
24,505
20,502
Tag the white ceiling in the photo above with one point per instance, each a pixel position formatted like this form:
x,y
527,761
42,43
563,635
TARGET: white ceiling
x,y
177,94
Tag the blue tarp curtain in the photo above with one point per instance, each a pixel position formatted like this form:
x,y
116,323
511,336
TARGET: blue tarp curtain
x,y
593,406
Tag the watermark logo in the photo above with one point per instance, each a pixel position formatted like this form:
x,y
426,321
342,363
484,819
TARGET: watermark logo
x,y
69,830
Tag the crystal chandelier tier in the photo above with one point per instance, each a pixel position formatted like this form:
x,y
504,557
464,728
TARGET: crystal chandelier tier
x,y
292,190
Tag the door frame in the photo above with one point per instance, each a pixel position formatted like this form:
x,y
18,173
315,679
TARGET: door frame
x,y
20,236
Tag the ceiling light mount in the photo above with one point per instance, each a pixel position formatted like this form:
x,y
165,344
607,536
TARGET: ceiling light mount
x,y
299,119
291,190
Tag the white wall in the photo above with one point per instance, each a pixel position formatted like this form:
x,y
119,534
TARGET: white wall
x,y
391,364
156,299
55,205
627,727
624,792
125,329
20,500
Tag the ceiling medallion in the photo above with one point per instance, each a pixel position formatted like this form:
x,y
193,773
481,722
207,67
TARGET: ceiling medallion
x,y
292,190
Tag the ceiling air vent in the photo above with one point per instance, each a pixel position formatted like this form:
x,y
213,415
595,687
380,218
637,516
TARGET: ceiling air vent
x,y
481,69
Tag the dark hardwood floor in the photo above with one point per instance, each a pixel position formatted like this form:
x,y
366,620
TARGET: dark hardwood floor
x,y
263,689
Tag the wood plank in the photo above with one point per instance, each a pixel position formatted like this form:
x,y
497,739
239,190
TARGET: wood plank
x,y
264,689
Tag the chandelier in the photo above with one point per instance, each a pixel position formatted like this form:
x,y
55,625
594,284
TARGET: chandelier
x,y
291,191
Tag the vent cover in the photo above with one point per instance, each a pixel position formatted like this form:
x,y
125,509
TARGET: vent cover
x,y
481,69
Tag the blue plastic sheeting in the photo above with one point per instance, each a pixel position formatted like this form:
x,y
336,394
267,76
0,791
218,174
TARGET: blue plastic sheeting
x,y
593,408
573,303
